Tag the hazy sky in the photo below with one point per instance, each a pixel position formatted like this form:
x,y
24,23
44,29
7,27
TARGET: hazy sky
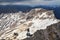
x,y
30,2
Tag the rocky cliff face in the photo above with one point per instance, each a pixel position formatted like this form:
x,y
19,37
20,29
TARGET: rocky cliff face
x,y
38,24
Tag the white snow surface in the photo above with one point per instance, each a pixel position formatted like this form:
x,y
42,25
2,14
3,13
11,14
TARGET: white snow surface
x,y
41,24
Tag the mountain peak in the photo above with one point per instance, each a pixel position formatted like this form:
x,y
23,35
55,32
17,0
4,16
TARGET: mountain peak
x,y
18,23
41,13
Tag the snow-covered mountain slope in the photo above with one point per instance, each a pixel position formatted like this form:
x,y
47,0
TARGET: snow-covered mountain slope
x,y
14,26
52,32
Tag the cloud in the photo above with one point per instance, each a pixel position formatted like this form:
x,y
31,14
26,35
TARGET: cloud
x,y
33,2
48,0
12,0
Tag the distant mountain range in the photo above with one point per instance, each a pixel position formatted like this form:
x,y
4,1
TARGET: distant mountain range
x,y
14,8
26,8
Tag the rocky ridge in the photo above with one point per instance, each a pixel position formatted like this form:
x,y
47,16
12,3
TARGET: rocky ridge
x,y
13,26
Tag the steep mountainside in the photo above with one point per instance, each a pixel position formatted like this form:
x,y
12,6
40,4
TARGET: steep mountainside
x,y
52,32
18,26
